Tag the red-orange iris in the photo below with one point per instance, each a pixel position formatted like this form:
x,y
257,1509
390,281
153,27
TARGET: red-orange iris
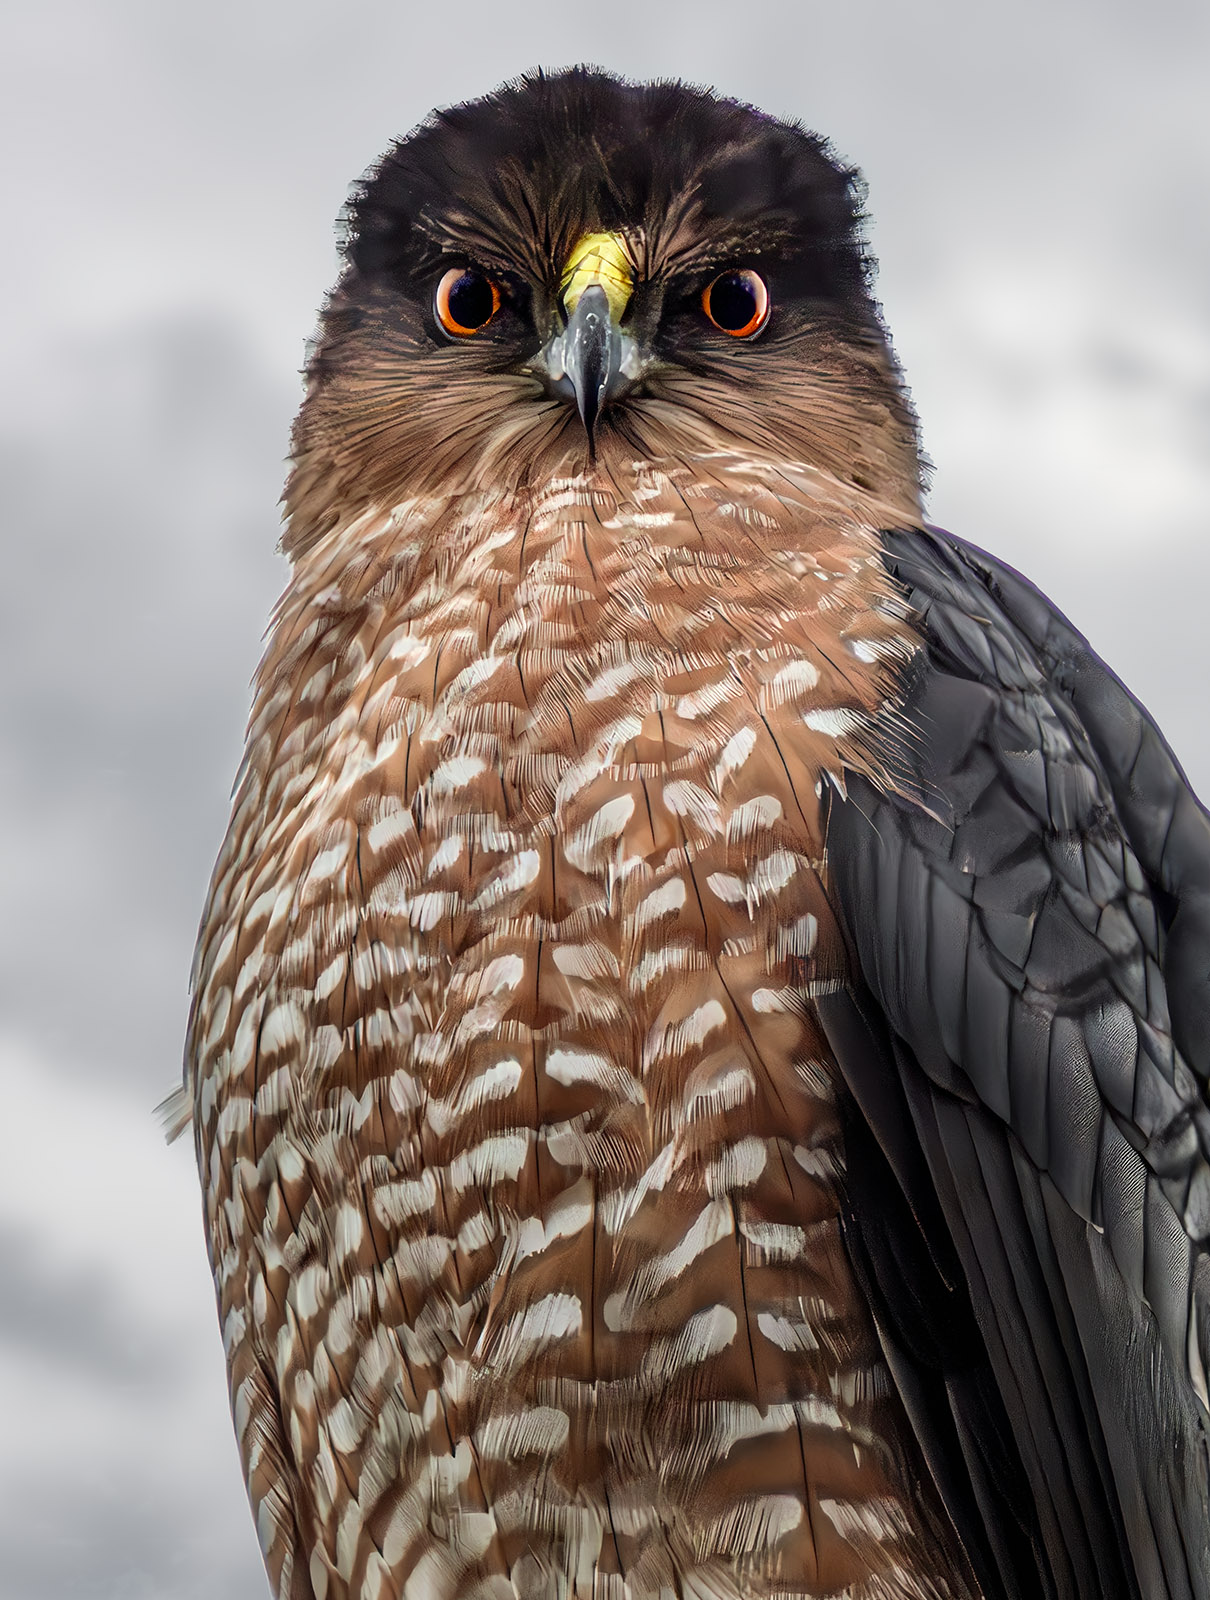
x,y
737,301
465,301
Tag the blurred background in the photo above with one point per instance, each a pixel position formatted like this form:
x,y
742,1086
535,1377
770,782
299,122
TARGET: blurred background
x,y
1038,186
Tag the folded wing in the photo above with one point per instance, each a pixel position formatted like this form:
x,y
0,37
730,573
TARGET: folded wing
x,y
1028,1045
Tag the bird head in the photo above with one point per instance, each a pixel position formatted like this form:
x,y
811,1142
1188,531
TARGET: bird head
x,y
576,269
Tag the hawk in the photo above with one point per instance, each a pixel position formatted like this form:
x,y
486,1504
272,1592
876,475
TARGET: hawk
x,y
701,1023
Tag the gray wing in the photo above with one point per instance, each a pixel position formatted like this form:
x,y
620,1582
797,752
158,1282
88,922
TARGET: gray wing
x,y
1027,1043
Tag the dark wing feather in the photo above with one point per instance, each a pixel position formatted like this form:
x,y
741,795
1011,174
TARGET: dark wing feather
x,y
1027,1047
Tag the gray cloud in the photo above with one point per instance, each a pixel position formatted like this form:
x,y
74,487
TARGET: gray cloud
x,y
143,523
74,1320
1035,178
124,1539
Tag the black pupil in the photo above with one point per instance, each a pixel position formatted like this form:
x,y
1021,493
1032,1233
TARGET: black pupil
x,y
470,300
733,300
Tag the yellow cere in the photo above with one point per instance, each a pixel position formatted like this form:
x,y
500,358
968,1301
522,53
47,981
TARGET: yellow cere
x,y
600,258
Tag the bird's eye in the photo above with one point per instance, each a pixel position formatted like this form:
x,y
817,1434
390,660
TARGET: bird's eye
x,y
465,302
737,302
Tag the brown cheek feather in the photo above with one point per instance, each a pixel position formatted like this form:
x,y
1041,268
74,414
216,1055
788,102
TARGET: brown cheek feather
x,y
387,418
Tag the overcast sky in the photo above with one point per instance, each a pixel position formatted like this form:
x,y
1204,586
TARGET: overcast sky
x,y
1038,183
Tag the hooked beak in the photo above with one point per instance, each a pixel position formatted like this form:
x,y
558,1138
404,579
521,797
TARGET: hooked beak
x,y
590,356
593,359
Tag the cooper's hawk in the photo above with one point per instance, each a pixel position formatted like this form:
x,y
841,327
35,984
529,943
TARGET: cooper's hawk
x,y
702,1019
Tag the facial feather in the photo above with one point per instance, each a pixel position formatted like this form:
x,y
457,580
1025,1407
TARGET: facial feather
x,y
507,186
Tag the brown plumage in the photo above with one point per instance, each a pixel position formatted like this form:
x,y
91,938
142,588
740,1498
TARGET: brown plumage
x,y
521,1137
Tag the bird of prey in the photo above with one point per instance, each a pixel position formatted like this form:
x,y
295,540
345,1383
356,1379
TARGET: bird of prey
x,y
701,1023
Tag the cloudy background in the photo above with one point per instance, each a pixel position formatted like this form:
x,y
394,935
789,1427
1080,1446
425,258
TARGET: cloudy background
x,y
1038,180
